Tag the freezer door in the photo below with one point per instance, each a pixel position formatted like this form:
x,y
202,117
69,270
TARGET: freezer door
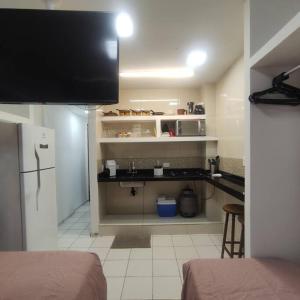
x,y
36,148
39,207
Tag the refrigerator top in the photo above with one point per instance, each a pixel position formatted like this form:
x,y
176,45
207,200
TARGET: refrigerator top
x,y
36,148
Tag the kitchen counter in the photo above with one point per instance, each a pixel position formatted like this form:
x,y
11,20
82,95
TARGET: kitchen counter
x,y
229,183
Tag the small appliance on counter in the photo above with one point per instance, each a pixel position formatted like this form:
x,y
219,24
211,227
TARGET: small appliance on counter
x,y
166,206
190,128
199,109
187,203
158,169
111,165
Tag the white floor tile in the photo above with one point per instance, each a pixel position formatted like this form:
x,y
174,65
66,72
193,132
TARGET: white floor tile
x,y
217,239
208,252
181,240
201,239
63,227
139,268
114,287
138,253
118,254
78,226
72,219
165,268
82,221
83,242
166,288
161,240
103,241
101,252
163,253
73,231
73,236
185,252
115,268
65,242
82,249
137,288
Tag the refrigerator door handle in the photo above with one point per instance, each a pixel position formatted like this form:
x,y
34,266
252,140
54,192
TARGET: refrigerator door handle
x,y
38,178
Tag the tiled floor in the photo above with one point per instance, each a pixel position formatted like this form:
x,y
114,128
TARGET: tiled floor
x,y
153,273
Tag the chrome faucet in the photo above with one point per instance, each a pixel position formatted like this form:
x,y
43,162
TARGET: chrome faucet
x,y
132,169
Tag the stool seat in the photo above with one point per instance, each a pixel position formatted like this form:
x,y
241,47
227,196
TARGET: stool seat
x,y
236,209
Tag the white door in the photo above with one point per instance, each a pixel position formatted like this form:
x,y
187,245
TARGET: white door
x,y
39,207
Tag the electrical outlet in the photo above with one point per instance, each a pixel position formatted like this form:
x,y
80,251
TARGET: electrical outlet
x,y
166,165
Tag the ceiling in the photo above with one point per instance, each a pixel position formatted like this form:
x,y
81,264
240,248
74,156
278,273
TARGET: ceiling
x,y
165,32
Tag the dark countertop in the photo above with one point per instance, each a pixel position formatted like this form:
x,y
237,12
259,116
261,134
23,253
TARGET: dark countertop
x,y
147,175
229,183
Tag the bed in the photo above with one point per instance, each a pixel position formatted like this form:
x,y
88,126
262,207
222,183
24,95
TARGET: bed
x,y
61,275
238,279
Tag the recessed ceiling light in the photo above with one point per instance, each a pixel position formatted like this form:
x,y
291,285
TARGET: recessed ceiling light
x,y
158,73
196,58
86,112
124,25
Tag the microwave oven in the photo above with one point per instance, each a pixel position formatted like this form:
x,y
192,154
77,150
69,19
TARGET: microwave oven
x,y
190,128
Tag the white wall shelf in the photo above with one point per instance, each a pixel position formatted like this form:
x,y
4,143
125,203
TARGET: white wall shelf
x,y
157,139
150,118
282,49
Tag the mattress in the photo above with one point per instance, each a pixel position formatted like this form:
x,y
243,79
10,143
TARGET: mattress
x,y
238,279
60,275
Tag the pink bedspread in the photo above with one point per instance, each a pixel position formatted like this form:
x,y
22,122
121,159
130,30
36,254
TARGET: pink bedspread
x,y
51,275
241,279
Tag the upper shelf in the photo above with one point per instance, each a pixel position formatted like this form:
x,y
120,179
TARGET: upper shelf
x,y
281,50
151,118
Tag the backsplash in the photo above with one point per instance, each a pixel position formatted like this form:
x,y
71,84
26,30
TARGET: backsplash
x,y
146,155
232,165
149,163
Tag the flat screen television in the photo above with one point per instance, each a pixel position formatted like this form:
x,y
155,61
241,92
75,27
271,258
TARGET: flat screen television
x,y
53,56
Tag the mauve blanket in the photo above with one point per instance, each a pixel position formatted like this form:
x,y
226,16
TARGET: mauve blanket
x,y
61,275
241,279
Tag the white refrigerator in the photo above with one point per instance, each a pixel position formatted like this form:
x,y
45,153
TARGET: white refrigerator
x,y
28,210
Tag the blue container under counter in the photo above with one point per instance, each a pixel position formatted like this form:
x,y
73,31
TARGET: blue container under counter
x,y
166,207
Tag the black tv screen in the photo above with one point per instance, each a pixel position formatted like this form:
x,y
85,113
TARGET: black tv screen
x,y
53,56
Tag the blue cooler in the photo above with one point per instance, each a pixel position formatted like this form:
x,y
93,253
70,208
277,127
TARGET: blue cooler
x,y
166,207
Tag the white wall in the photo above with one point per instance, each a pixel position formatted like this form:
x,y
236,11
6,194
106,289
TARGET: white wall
x,y
268,17
71,146
230,112
21,113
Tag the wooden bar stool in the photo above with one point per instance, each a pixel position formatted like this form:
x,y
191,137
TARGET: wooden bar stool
x,y
233,210
242,239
